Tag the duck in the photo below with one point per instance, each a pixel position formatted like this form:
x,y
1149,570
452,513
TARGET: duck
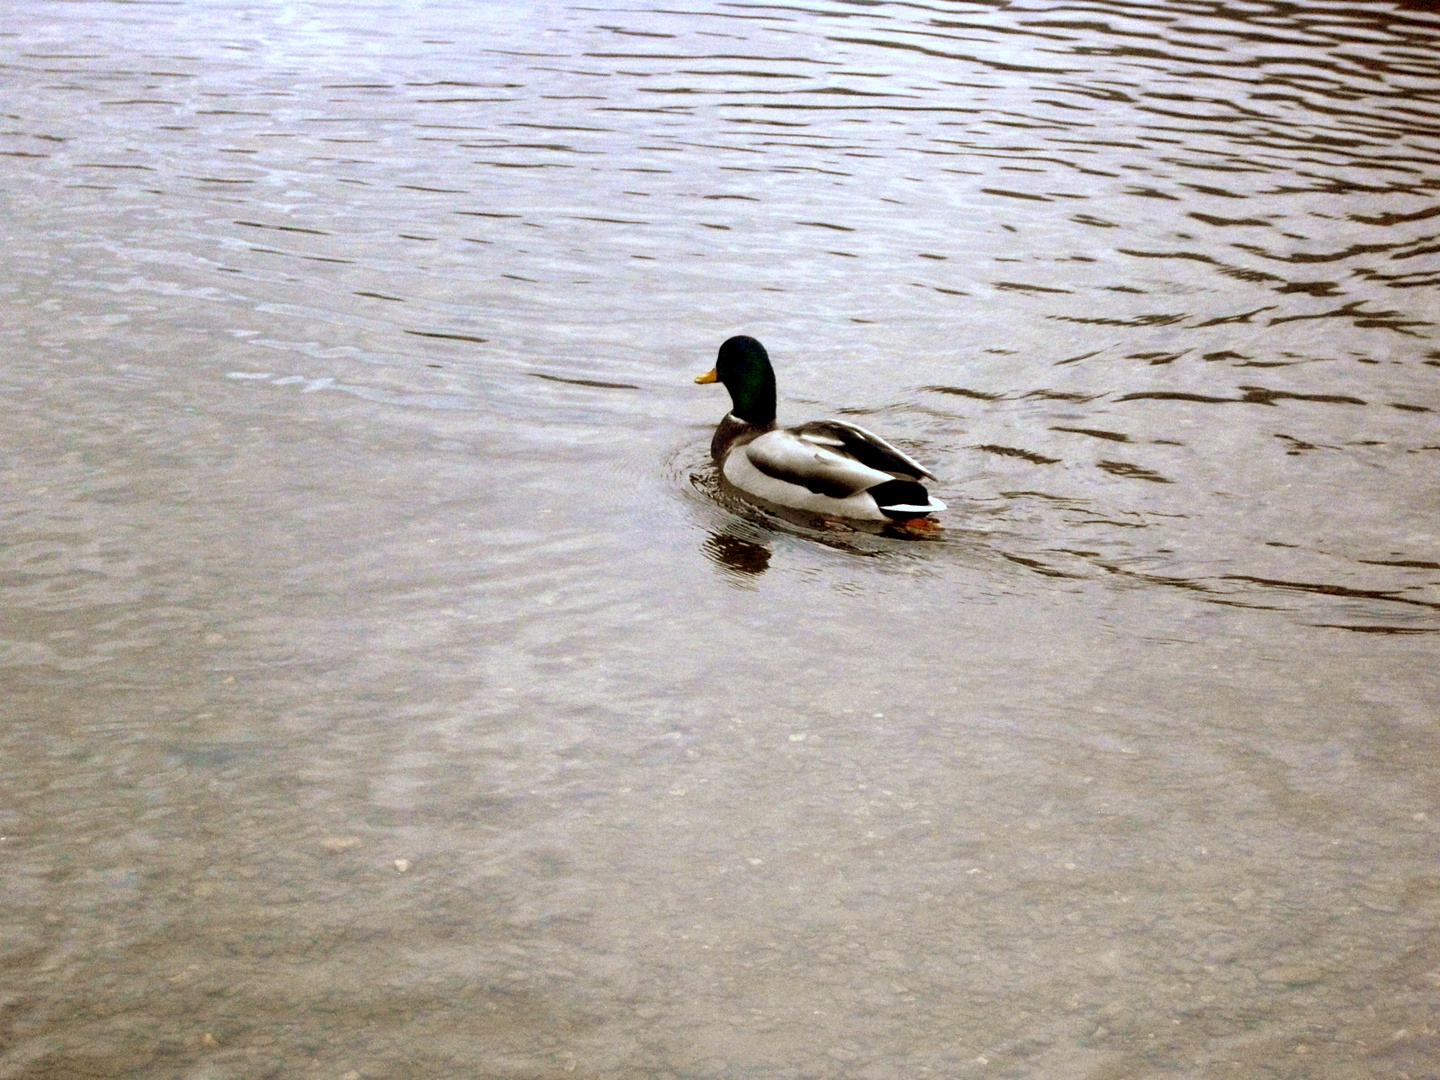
x,y
830,468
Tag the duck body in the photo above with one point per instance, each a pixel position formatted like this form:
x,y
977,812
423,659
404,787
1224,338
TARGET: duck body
x,y
825,467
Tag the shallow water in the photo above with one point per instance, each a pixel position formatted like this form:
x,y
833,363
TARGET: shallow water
x,y
389,692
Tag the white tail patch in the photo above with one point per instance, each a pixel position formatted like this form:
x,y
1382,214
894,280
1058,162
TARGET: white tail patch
x,y
934,504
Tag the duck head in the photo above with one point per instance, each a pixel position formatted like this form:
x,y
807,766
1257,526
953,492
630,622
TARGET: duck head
x,y
744,367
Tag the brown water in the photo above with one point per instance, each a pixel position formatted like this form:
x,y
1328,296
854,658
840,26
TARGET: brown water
x,y
388,693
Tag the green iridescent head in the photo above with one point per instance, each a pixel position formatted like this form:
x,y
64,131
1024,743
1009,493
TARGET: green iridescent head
x,y
744,367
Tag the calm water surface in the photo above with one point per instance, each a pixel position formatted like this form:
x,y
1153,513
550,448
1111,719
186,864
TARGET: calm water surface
x,y
389,692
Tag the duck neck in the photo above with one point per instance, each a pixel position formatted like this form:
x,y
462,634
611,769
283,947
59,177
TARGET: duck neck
x,y
732,432
752,396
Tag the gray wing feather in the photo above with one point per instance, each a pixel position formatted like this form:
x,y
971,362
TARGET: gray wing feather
x,y
864,446
814,465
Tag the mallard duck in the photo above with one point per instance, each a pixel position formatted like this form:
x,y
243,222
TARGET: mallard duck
x,y
826,467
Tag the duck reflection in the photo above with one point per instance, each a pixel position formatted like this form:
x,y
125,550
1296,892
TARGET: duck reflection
x,y
741,558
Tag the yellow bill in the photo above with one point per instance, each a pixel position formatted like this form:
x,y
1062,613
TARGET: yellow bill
x,y
708,377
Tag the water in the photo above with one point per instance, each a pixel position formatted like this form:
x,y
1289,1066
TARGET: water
x,y
390,693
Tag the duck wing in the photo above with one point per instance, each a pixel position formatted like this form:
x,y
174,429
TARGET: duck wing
x,y
794,457
864,446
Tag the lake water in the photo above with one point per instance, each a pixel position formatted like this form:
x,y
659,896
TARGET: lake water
x,y
389,691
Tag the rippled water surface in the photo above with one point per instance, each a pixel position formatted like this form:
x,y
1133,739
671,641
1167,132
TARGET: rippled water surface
x,y
388,690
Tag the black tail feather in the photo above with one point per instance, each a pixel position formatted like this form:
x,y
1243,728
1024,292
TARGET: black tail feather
x,y
897,493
